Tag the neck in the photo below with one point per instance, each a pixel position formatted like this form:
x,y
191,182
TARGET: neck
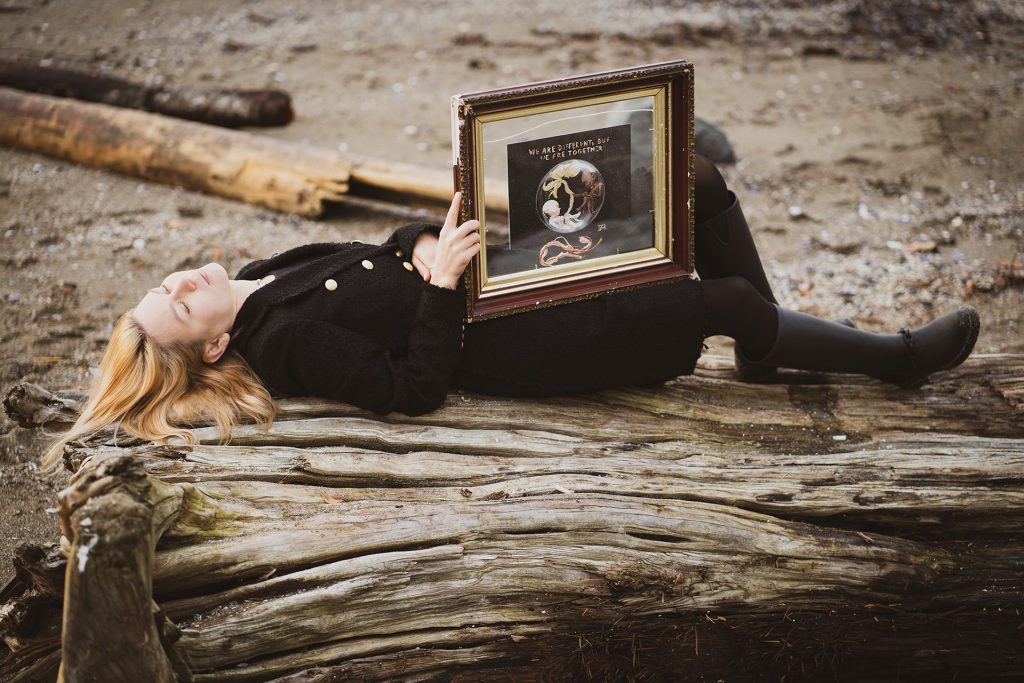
x,y
240,291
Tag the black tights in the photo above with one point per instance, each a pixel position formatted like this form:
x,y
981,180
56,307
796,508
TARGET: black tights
x,y
710,193
735,308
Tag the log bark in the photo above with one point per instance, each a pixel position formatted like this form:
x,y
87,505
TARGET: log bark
x,y
30,405
985,396
284,176
227,107
111,628
702,529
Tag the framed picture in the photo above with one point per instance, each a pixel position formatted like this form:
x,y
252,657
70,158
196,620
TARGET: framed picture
x,y
581,185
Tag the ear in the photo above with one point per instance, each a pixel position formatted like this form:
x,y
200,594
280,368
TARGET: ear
x,y
213,349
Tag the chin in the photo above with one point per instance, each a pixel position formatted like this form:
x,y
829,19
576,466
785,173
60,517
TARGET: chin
x,y
216,273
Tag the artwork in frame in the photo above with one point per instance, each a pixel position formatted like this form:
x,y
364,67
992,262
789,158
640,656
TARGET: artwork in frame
x,y
581,185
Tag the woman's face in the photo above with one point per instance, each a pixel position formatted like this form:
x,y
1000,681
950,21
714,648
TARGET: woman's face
x,y
187,306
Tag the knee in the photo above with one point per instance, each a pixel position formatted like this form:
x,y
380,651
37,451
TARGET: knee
x,y
711,195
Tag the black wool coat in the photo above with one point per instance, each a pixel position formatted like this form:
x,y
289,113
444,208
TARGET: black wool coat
x,y
356,322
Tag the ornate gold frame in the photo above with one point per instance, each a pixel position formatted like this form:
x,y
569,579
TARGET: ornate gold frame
x,y
670,84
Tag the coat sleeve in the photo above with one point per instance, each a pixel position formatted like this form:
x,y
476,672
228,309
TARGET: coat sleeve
x,y
405,237
317,358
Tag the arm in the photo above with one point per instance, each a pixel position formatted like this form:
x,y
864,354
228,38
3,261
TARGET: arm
x,y
405,237
315,358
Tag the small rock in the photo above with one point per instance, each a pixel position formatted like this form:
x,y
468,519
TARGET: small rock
x,y
820,51
260,19
925,246
138,244
14,297
190,210
797,213
470,39
231,45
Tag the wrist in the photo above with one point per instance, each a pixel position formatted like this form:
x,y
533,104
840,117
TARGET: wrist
x,y
445,281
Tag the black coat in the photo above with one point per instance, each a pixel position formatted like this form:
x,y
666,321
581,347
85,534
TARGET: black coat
x,y
355,322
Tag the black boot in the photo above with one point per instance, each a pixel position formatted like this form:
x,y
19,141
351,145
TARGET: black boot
x,y
723,247
906,359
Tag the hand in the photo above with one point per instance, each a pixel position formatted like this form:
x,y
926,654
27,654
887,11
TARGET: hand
x,y
456,247
424,254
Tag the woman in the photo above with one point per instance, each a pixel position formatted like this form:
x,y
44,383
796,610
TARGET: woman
x,y
382,327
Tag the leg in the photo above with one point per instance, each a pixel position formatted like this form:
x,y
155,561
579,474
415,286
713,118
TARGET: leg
x,y
723,246
776,336
736,309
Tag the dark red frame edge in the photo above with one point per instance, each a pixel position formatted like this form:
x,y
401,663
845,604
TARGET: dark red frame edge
x,y
681,265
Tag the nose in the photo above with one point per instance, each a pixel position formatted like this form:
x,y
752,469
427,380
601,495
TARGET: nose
x,y
185,283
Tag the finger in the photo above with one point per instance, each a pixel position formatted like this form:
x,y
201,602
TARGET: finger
x,y
453,212
468,227
465,255
467,238
421,268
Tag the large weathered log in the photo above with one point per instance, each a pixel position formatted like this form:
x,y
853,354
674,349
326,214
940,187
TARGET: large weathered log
x,y
704,528
985,396
276,587
257,169
217,106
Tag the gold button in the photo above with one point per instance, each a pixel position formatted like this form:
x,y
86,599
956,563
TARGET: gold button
x,y
331,285
368,265
398,253
407,266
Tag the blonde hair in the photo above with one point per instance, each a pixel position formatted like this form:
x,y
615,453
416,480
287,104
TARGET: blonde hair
x,y
149,390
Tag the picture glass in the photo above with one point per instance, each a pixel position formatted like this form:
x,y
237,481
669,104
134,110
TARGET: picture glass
x,y
579,184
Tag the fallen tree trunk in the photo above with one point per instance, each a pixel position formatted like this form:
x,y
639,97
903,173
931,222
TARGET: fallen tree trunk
x,y
284,176
227,107
705,528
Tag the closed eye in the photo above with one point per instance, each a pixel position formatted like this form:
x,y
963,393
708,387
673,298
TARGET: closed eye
x,y
187,309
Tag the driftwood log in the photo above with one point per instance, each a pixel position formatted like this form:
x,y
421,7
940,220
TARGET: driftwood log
x,y
284,176
217,106
812,529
